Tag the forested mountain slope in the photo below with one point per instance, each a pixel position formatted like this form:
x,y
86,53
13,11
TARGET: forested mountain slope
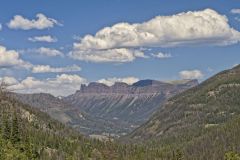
x,y
202,121
211,103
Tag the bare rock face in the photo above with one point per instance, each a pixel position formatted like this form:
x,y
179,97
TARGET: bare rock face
x,y
94,87
140,87
125,106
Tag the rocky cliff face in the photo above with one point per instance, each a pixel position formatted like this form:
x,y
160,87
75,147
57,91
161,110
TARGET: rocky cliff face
x,y
138,88
124,106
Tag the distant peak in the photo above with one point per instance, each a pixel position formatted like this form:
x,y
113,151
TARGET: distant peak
x,y
147,82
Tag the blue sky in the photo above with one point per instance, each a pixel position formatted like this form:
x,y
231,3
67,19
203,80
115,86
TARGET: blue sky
x,y
72,20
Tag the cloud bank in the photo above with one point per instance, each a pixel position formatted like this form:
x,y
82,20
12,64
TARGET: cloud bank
x,y
49,69
61,85
206,27
110,55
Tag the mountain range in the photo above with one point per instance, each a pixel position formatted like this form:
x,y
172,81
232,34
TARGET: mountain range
x,y
100,110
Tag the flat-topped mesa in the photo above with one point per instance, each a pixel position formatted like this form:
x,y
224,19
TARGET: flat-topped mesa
x,y
140,87
100,88
94,87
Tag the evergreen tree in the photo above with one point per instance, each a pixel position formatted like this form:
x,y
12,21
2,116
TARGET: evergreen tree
x,y
15,135
6,132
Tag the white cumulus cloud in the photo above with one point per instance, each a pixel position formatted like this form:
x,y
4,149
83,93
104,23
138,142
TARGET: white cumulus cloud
x,y
47,51
45,38
11,58
49,69
110,55
41,22
61,85
191,74
111,81
9,80
205,27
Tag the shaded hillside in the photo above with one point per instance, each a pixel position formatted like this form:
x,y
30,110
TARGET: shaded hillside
x,y
123,105
66,113
55,107
212,103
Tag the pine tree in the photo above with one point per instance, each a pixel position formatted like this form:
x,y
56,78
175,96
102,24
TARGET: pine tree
x,y
6,127
15,135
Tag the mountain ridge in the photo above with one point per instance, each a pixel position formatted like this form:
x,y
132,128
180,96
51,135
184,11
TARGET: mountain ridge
x,y
120,87
212,102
